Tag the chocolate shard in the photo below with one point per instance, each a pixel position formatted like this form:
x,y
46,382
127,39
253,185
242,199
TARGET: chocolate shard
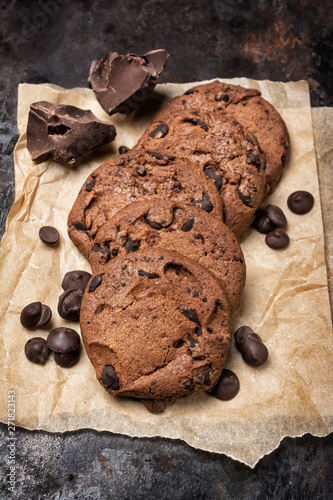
x,y
122,82
65,133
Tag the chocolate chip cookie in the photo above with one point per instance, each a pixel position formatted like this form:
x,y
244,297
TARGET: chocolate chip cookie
x,y
155,326
223,150
174,226
247,107
136,175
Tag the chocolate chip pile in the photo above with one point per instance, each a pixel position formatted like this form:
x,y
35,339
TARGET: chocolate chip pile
x,y
159,225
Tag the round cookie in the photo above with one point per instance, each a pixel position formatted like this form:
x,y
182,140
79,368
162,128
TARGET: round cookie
x,y
224,150
146,332
247,107
174,226
136,175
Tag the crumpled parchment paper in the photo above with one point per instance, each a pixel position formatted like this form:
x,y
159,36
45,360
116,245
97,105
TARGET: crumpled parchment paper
x,y
285,301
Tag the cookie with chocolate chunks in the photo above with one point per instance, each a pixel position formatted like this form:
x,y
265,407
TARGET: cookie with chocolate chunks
x,y
156,327
174,226
247,107
137,175
224,150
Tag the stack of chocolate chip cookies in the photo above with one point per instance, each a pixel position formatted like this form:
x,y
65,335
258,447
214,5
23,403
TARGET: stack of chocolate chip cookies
x,y
159,225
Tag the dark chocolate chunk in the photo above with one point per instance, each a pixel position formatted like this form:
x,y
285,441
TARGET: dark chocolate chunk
x,y
75,279
205,376
188,225
189,386
251,347
49,235
227,386
122,82
36,350
110,378
69,304
63,340
203,125
277,239
217,178
191,315
156,155
95,282
255,160
148,275
190,91
153,224
198,331
205,204
300,202
65,133
223,97
276,215
35,314
246,199
263,223
123,149
141,170
160,130
90,184
80,226
131,246
250,140
67,359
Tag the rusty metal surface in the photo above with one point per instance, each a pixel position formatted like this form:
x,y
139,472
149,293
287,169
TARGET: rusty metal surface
x,y
55,41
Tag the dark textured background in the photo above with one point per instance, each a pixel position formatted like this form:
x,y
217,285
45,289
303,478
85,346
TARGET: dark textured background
x,y
55,41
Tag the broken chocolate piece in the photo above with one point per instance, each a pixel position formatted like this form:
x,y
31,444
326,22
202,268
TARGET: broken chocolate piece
x,y
65,133
122,82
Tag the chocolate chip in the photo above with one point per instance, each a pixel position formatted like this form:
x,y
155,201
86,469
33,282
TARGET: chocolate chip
x,y
90,184
67,359
179,343
110,378
69,304
227,386
255,160
191,315
277,239
141,170
189,386
153,224
276,215
251,347
155,406
188,225
80,226
263,223
63,340
210,172
300,202
160,131
49,235
35,314
148,275
223,97
250,140
198,331
156,155
205,204
190,91
122,150
130,245
203,125
205,376
246,199
95,282
36,350
75,279
104,251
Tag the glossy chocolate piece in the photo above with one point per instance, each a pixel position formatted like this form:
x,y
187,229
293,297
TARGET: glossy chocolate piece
x,y
67,359
277,239
227,386
63,340
49,235
69,304
65,133
300,202
36,350
35,314
122,82
253,350
75,280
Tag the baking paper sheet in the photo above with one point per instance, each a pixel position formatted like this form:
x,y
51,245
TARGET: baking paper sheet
x,y
285,301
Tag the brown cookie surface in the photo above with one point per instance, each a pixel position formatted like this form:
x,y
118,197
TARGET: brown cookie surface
x,y
136,175
247,107
174,226
147,334
223,150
